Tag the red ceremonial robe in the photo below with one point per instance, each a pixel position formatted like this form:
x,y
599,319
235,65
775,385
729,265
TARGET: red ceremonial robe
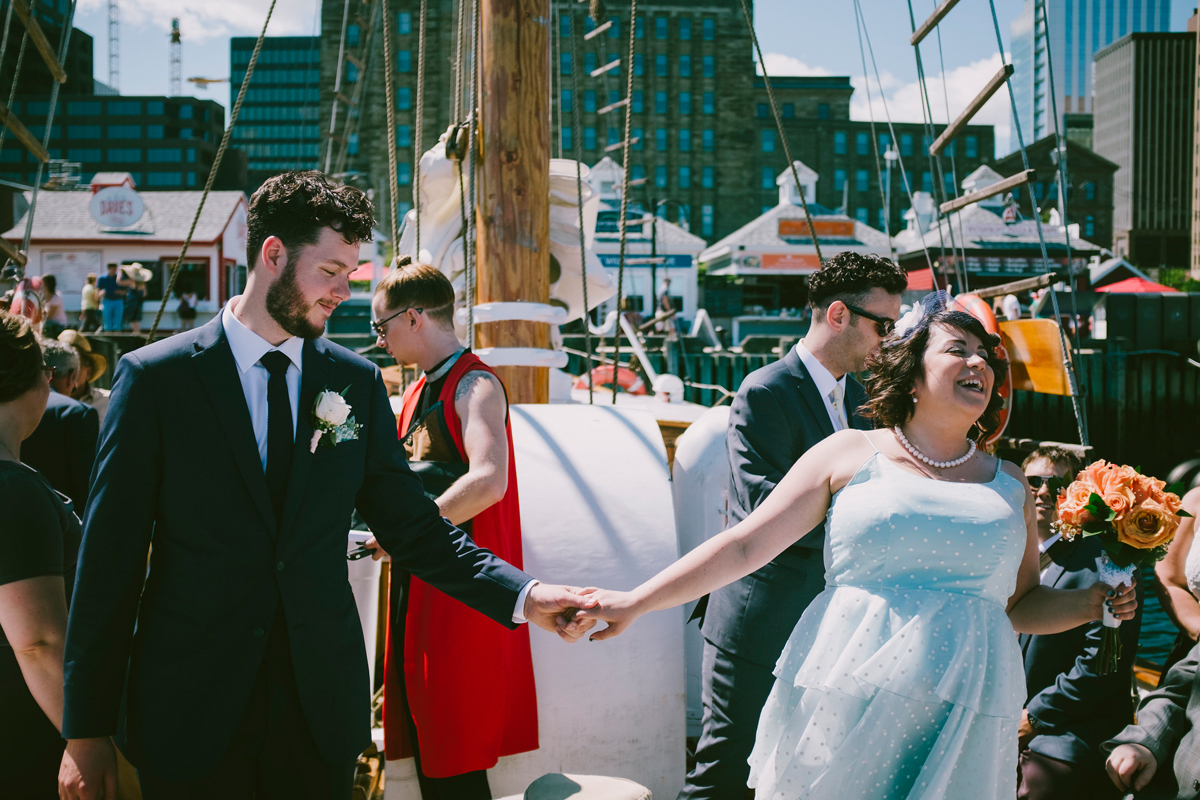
x,y
468,681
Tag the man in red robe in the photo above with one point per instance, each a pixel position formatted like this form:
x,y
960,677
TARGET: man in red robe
x,y
459,693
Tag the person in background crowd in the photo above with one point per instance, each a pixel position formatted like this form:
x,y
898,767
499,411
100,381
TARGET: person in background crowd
x,y
6,301
63,447
38,543
454,420
135,295
89,305
1179,582
1071,709
55,309
779,413
187,310
92,367
112,298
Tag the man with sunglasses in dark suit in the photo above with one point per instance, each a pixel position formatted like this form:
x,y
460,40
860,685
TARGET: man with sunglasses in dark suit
x,y
780,411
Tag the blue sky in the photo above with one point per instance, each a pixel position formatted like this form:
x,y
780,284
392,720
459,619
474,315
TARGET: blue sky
x,y
797,36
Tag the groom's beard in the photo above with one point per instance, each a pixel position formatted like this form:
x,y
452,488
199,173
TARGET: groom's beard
x,y
286,305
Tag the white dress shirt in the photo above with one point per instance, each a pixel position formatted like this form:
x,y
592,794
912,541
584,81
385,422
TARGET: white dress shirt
x,y
1045,546
825,382
248,347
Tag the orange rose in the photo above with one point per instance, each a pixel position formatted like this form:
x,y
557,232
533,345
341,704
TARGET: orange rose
x,y
1116,487
1073,501
1170,501
1146,526
1146,487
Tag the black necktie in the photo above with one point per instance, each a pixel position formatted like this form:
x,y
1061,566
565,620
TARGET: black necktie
x,y
280,438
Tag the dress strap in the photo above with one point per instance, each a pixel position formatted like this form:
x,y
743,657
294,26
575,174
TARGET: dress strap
x,y
868,438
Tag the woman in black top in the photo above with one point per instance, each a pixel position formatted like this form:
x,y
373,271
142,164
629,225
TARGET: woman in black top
x,y
39,539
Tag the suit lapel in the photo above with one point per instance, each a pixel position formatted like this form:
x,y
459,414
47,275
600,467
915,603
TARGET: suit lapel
x,y
218,373
808,392
314,378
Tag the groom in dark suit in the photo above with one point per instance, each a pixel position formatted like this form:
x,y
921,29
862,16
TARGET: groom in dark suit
x,y
780,411
235,668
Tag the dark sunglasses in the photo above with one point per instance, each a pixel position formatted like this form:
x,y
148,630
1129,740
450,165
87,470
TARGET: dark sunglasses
x,y
381,326
1055,484
884,325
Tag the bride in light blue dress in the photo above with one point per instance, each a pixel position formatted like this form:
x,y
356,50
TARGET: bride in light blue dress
x,y
903,679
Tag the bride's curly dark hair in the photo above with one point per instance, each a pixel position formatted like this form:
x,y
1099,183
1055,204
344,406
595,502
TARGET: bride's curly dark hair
x,y
895,367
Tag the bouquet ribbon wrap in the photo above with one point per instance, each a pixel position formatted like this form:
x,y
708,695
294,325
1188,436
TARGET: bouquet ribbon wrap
x,y
1110,642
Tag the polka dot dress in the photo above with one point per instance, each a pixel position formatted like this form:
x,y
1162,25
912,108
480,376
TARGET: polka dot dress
x,y
903,679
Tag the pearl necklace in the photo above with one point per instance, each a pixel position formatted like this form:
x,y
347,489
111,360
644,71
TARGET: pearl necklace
x,y
935,464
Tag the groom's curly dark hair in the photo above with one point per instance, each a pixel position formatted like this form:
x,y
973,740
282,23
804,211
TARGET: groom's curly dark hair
x,y
297,205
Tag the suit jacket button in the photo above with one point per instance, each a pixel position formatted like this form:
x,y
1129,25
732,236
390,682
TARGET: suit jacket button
x,y
257,633
1196,785
279,566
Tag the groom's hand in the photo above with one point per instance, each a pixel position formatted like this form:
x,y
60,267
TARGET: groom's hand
x,y
553,608
88,770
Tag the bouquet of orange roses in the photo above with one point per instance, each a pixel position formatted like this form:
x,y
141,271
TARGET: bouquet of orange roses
x,y
1135,517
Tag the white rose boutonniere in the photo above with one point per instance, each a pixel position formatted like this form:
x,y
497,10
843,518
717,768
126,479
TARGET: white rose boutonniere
x,y
333,421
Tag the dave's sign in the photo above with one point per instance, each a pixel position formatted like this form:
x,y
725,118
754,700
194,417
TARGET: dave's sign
x,y
116,207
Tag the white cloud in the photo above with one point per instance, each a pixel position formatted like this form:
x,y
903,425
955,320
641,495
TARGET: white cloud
x,y
214,19
780,64
956,88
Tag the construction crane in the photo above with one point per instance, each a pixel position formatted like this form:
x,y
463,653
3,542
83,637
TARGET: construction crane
x,y
114,47
176,59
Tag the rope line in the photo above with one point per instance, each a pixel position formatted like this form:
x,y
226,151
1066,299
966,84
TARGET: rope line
x,y
577,143
874,141
389,87
953,164
472,265
337,87
8,24
625,170
354,121
212,173
20,60
1079,419
417,148
787,152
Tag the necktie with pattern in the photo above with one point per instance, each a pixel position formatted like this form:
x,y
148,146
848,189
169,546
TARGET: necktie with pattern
x,y
839,406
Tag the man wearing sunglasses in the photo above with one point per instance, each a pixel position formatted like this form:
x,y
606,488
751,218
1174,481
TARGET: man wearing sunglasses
x,y
1071,709
780,411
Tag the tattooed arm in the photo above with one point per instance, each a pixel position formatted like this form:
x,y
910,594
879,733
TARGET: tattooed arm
x,y
481,406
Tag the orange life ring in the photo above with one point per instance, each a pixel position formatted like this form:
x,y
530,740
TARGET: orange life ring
x,y
978,308
629,381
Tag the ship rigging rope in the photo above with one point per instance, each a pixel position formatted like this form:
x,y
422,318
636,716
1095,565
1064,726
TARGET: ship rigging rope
x,y
63,44
861,22
337,87
390,113
935,163
625,170
471,233
212,173
787,152
12,94
577,143
874,147
420,119
953,164
1016,121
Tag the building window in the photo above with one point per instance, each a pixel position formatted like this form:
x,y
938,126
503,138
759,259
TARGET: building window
x,y
638,138
710,29
589,63
1016,193
154,131
84,154
564,26
639,64
124,131
685,66
660,66
885,142
927,181
948,184
862,144
352,144
685,102
589,102
185,133
404,98
82,131
707,177
1039,190
404,23
124,156
589,138
768,140
614,136
860,214
660,27
706,220
839,143
404,173
637,102
614,32
950,148
839,179
639,172
564,101
710,66
762,110
767,178
191,179
1089,226
660,177
708,103
685,177
883,226
685,140
76,109
972,147
130,108
660,139
164,179
822,111
640,28
685,28
567,142
191,155
906,143
789,111
708,139
154,108
403,208
351,72
660,102
861,180
185,112
160,155
564,64
1089,190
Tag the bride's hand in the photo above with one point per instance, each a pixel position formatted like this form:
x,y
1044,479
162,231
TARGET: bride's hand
x,y
1121,601
618,609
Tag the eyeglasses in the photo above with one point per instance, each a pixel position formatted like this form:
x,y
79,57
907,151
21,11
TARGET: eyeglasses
x,y
884,325
51,372
381,326
1053,483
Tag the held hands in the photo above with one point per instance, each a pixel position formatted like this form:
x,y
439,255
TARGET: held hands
x,y
1131,767
559,609
618,609
88,770
1121,601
